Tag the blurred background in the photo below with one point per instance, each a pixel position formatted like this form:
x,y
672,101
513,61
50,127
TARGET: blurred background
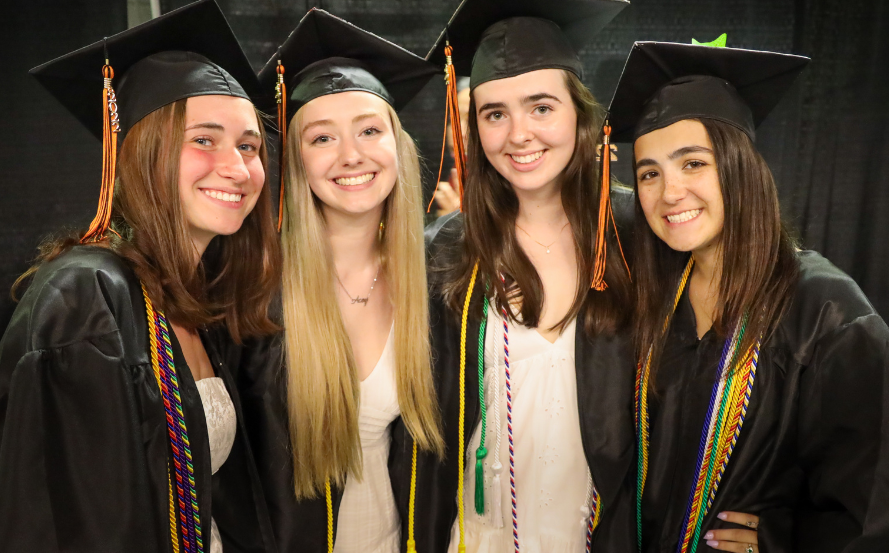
x,y
827,142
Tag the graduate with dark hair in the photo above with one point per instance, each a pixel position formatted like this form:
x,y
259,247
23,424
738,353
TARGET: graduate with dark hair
x,y
121,425
532,360
763,369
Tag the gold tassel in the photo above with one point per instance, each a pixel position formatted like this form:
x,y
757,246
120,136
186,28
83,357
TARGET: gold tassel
x,y
281,97
110,128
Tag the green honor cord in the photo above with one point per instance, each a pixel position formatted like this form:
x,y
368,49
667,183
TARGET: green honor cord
x,y
481,452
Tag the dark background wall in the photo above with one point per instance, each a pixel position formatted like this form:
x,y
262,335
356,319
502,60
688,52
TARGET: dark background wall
x,y
826,142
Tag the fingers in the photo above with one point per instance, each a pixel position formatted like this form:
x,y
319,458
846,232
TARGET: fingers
x,y
744,536
744,519
733,546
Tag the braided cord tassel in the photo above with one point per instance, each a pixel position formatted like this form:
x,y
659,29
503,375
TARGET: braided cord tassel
x,y
461,437
110,128
411,544
481,452
152,342
328,495
515,516
281,99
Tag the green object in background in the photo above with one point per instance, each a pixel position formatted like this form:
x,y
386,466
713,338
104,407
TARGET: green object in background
x,y
718,43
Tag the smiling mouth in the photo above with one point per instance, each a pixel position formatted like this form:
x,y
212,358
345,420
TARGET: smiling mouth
x,y
224,196
528,158
684,216
355,181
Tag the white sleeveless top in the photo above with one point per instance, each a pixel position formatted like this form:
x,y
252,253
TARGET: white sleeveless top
x,y
367,521
221,426
552,478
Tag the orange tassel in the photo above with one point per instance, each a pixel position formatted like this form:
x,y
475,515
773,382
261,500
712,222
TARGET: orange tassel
x,y
452,113
281,97
606,215
110,128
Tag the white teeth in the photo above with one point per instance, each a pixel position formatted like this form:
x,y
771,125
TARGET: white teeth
x,y
224,196
684,216
528,158
354,181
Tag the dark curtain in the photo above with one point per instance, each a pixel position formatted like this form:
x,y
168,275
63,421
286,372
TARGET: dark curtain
x,y
825,142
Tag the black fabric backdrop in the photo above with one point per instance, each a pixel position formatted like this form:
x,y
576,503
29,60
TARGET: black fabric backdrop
x,y
826,142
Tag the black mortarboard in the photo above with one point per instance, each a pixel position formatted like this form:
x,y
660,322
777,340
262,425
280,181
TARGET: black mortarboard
x,y
663,83
493,39
326,55
187,52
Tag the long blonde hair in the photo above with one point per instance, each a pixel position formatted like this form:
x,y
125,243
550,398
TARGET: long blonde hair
x,y
322,377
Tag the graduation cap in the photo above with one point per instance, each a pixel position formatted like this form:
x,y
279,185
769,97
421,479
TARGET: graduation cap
x,y
188,52
327,55
663,83
492,39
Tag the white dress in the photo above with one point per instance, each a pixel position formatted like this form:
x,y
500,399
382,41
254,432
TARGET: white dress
x,y
221,427
553,486
367,521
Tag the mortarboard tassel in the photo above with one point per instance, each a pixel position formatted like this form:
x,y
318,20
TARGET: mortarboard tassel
x,y
452,114
605,215
281,97
110,128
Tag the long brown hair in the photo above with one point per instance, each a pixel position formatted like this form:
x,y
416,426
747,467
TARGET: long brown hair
x,y
759,266
490,208
322,378
238,275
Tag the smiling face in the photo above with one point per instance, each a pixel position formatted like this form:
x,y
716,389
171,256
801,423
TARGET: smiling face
x,y
678,186
349,151
527,126
220,170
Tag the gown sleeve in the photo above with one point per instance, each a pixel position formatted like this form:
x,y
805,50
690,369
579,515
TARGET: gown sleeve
x,y
73,473
844,440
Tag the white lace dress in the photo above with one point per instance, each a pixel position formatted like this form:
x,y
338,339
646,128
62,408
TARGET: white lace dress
x,y
221,426
367,521
552,479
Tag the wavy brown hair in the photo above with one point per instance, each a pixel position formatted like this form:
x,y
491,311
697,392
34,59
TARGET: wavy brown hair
x,y
238,274
490,209
757,253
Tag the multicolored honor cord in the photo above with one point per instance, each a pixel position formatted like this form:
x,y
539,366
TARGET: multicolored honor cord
x,y
189,520
726,412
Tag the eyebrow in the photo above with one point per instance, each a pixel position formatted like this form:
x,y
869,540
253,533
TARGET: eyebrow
x,y
218,127
356,119
539,96
675,155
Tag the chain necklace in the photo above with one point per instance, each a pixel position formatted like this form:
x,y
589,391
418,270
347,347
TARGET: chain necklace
x,y
359,299
547,246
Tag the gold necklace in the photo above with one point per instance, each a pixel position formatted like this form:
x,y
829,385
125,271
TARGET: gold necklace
x,y
547,246
359,299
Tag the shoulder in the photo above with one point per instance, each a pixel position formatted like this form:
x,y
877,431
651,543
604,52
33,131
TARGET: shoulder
x,y
84,292
825,301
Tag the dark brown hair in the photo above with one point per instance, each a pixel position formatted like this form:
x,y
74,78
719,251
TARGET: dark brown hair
x,y
490,208
238,274
759,265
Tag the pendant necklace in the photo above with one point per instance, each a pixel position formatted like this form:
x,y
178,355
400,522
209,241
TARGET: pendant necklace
x,y
359,299
547,246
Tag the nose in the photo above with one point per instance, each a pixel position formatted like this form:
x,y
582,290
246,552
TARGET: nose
x,y
349,153
231,165
674,189
520,133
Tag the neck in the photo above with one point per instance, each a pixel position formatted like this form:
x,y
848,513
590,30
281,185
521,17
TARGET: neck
x,y
200,246
708,264
354,239
541,207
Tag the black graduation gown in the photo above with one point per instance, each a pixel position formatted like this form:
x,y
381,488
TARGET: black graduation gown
x,y
84,446
604,368
812,459
299,526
